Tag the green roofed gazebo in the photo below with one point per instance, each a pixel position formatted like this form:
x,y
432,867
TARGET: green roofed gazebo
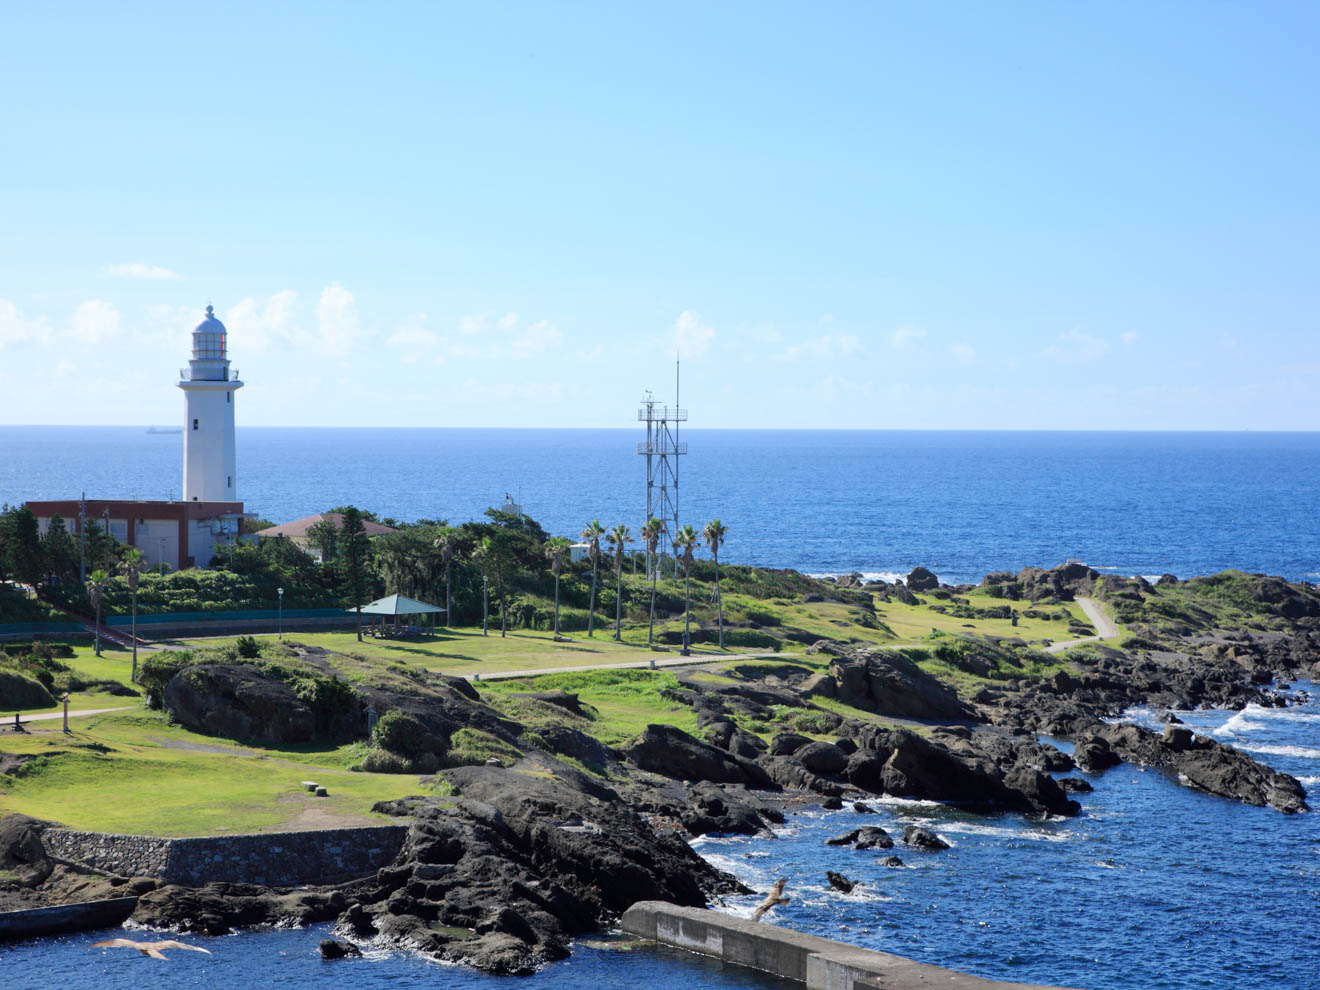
x,y
396,605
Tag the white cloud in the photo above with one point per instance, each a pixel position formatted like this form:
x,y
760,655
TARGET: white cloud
x,y
907,338
828,345
254,325
138,270
536,338
691,336
963,352
96,321
1128,336
508,321
1077,347
337,324
15,328
416,339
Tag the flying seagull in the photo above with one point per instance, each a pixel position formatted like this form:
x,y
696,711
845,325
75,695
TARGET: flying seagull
x,y
772,899
151,949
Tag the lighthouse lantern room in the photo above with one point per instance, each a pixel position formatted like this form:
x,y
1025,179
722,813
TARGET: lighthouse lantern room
x,y
209,466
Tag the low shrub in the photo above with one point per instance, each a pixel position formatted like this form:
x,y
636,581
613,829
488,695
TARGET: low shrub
x,y
18,691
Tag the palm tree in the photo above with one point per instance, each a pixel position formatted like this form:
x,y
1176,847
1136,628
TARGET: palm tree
x,y
97,582
686,539
556,551
651,534
133,565
447,544
714,533
592,534
619,537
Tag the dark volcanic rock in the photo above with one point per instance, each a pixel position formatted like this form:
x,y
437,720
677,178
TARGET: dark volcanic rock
x,y
922,838
888,683
1093,754
669,751
787,743
904,764
1075,785
839,882
330,949
822,758
1207,765
922,580
22,856
867,837
522,863
238,701
218,908
891,861
1065,582
727,809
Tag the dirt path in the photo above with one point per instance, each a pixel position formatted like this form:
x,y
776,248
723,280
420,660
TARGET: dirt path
x,y
1104,626
665,661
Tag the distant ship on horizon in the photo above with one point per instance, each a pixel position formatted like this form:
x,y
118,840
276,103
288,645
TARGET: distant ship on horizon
x,y
164,429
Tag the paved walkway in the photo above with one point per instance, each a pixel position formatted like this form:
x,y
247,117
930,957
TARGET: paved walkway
x,y
1104,626
662,660
24,719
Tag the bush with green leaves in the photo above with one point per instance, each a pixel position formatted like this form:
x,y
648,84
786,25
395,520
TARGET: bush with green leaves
x,y
20,691
248,648
400,733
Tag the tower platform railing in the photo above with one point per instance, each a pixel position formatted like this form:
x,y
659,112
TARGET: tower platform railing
x,y
661,447
662,414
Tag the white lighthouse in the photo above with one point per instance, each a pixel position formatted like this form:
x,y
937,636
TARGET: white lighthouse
x,y
208,427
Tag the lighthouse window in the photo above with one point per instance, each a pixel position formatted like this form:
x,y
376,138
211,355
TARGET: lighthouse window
x,y
194,424
229,481
227,395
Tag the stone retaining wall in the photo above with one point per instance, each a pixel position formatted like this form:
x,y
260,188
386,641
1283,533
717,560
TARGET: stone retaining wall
x,y
274,859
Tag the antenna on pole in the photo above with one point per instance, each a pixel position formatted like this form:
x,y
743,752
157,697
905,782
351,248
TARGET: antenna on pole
x,y
662,450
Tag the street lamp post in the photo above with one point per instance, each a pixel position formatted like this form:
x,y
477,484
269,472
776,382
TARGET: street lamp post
x,y
280,592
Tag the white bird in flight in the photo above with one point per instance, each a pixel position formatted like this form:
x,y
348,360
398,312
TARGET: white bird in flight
x,y
152,949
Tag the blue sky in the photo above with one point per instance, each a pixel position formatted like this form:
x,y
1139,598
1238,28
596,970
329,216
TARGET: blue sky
x,y
1054,215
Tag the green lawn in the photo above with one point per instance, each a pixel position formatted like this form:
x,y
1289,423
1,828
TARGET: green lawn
x,y
153,778
467,651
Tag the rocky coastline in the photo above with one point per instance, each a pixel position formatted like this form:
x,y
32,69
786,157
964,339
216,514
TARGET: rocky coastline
x,y
503,865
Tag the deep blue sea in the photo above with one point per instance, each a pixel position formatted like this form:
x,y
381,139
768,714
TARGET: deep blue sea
x,y
880,502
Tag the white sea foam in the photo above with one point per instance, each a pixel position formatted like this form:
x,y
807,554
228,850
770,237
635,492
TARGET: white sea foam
x,y
1302,752
1308,781
1239,724
868,577
999,832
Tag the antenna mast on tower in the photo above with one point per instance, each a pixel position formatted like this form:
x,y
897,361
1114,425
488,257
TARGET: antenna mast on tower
x,y
662,450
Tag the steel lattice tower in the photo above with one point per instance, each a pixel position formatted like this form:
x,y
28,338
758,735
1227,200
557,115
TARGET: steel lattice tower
x,y
662,450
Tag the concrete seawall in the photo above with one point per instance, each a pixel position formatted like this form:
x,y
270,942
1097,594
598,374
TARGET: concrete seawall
x,y
820,963
271,858
62,918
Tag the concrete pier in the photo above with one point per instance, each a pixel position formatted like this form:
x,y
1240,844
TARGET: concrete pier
x,y
65,918
820,963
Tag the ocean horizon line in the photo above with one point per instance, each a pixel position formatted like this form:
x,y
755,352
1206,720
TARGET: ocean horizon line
x,y
1151,431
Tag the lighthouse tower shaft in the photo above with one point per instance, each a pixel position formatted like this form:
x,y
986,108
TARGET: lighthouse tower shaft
x,y
209,462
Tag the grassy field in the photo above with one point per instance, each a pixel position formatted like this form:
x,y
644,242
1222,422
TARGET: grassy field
x,y
134,772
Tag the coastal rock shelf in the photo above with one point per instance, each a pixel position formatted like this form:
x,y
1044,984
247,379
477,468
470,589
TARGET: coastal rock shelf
x,y
272,859
819,963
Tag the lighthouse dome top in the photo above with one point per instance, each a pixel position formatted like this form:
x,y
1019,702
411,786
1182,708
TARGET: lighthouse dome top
x,y
209,338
